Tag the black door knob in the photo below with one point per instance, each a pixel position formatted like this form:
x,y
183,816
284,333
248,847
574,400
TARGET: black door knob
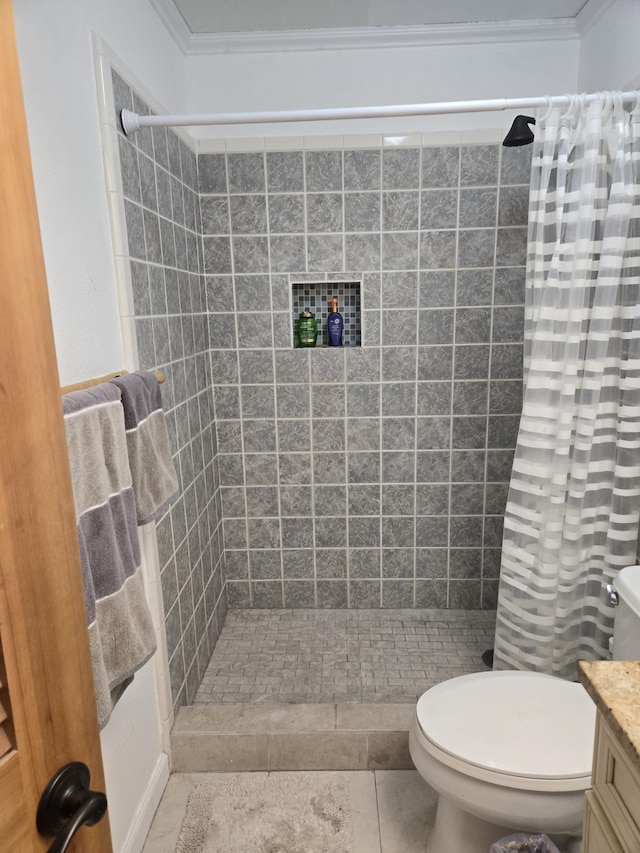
x,y
67,804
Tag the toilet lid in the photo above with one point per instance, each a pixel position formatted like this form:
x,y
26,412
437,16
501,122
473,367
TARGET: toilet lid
x,y
518,723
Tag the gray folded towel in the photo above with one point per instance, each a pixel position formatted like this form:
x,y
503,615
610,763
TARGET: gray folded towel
x,y
155,483
121,632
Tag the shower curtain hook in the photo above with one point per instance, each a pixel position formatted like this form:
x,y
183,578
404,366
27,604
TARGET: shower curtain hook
x,y
567,116
607,109
545,115
617,104
569,108
586,106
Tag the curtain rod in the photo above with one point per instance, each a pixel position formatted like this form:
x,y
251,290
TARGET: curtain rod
x,y
131,122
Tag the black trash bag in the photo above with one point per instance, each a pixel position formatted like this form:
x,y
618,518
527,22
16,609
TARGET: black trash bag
x,y
524,842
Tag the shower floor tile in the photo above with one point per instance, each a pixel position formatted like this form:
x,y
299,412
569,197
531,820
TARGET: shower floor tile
x,y
338,656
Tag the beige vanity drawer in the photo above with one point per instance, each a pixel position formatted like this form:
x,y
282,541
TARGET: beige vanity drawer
x,y
598,836
616,783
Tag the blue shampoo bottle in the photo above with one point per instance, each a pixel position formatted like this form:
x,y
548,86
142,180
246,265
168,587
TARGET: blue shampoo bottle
x,y
335,324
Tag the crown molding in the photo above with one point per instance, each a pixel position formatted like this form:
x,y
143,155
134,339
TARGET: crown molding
x,y
366,38
176,25
360,38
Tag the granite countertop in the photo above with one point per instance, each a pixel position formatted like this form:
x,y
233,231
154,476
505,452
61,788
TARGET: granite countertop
x,y
614,685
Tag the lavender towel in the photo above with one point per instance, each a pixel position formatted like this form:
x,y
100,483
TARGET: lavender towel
x,y
155,483
121,633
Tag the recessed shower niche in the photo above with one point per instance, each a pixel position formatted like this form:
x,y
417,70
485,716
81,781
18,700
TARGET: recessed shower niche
x,y
314,296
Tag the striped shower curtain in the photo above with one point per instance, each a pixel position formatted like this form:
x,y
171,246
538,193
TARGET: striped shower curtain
x,y
572,515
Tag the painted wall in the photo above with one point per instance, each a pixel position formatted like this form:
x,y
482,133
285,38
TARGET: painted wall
x,y
55,48
342,78
609,56
57,65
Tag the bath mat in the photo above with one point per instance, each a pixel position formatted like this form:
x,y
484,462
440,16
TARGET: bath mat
x,y
278,813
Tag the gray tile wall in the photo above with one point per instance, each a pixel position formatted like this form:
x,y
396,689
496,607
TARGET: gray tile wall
x,y
372,476
162,211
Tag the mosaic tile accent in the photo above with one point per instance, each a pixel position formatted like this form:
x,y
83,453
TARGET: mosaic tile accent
x,y
314,297
338,656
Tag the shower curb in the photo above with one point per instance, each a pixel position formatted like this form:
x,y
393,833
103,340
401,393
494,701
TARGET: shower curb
x,y
245,738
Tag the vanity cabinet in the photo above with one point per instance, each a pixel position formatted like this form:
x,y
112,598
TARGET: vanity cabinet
x,y
612,810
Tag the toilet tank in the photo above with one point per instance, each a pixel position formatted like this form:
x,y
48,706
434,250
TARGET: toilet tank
x,y
626,625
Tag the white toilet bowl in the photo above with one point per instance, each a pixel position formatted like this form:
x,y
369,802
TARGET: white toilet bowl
x,y
507,752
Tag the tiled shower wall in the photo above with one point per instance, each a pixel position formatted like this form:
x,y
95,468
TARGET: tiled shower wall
x,y
370,476
162,212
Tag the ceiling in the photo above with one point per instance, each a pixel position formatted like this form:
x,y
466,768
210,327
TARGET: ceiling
x,y
232,26
241,16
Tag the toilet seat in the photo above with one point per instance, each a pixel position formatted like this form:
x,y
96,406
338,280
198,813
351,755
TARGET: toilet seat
x,y
519,729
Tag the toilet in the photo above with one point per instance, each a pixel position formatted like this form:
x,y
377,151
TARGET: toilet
x,y
511,751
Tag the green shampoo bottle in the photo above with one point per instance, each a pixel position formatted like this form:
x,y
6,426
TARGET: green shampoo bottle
x,y
307,330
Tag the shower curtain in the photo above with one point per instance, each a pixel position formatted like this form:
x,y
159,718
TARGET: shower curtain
x,y
572,514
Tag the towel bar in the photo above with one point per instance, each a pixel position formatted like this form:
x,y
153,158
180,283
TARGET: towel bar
x,y
89,383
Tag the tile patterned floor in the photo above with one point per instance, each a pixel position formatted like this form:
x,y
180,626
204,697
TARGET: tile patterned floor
x,y
392,811
342,656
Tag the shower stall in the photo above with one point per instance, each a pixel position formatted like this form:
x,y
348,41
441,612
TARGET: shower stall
x,y
353,494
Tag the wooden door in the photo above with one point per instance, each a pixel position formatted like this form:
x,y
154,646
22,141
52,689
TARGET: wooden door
x,y
48,715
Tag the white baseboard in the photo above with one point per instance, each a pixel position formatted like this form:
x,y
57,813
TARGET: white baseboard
x,y
139,829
